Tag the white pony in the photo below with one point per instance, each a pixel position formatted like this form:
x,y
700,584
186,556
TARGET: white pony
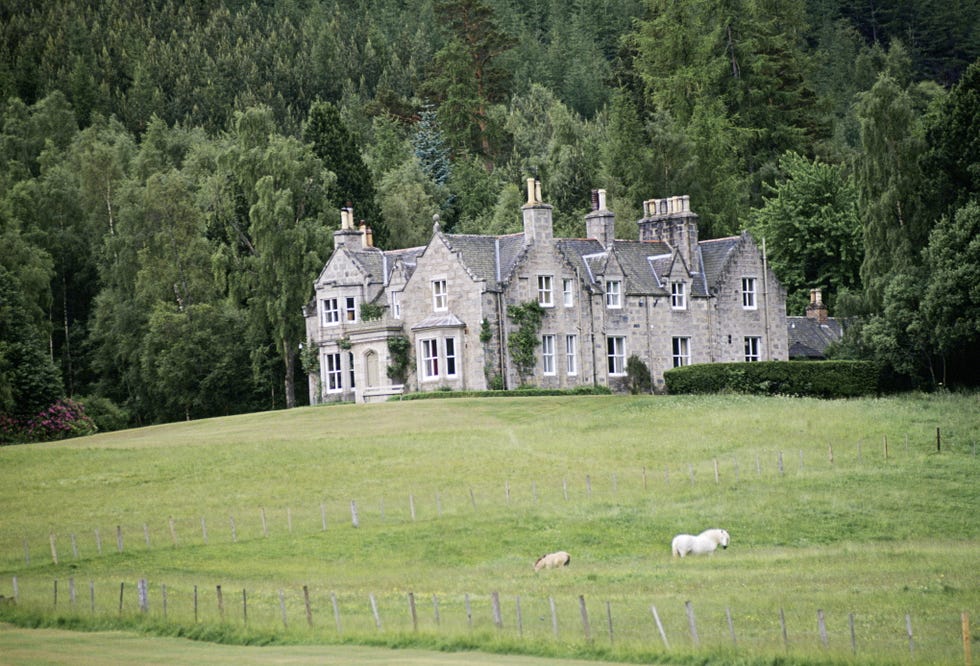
x,y
706,542
553,561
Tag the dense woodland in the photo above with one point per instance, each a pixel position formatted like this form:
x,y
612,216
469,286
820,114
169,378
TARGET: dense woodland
x,y
172,171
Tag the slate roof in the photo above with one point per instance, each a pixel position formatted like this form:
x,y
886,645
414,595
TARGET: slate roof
x,y
715,255
489,258
379,263
809,338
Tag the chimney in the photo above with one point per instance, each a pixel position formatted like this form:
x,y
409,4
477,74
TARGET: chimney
x,y
600,224
537,215
671,220
816,309
347,235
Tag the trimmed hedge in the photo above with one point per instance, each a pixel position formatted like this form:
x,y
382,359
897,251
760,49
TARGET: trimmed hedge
x,y
521,392
820,379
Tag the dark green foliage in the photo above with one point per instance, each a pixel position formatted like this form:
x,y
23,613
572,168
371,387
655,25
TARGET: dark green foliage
x,y
523,341
820,379
638,375
399,349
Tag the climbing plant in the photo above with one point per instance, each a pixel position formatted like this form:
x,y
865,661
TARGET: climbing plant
x,y
527,316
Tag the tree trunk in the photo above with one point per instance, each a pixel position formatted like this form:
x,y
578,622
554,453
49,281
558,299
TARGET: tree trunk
x,y
290,366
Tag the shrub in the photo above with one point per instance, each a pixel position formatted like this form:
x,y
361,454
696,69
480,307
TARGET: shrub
x,y
638,375
106,414
821,379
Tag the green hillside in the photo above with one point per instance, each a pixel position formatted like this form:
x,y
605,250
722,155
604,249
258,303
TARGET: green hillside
x,y
842,507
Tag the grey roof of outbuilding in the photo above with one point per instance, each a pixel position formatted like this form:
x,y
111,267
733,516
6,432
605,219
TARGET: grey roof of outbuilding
x,y
809,338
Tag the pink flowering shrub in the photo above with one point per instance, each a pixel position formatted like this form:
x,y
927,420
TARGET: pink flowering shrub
x,y
61,420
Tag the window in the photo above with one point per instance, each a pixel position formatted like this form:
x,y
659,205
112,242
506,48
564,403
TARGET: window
x,y
437,358
548,354
450,357
571,366
439,295
350,366
678,296
616,354
567,287
334,377
350,308
329,312
544,291
614,289
396,305
681,351
748,293
430,359
752,349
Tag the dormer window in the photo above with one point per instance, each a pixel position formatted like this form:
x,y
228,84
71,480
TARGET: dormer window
x,y
439,297
614,294
678,296
748,293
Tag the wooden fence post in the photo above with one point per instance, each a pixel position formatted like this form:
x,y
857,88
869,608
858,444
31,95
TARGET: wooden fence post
x,y
204,530
55,592
91,596
585,619
98,542
54,550
908,623
850,620
412,611
122,586
660,626
173,532
195,604
336,610
74,546
782,623
374,611
119,538
469,610
234,532
163,592
965,622
498,619
244,608
716,471
142,594
353,514
692,625
221,604
265,527
411,506
520,618
323,517
306,602
435,610
609,621
472,498
554,616
822,627
731,625
16,589
282,609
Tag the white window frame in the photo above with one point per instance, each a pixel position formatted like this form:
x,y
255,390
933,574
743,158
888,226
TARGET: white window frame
x,y
749,292
753,345
546,291
548,354
440,297
333,373
616,355
429,359
451,365
614,294
678,295
681,351
330,312
350,362
571,357
396,304
350,309
568,292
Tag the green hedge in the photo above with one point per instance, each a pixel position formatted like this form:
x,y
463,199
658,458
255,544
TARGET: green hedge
x,y
521,392
821,379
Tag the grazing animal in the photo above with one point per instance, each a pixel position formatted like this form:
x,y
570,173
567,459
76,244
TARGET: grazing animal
x,y
706,542
553,561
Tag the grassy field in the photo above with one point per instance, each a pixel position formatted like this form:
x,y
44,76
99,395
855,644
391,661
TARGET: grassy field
x,y
845,508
